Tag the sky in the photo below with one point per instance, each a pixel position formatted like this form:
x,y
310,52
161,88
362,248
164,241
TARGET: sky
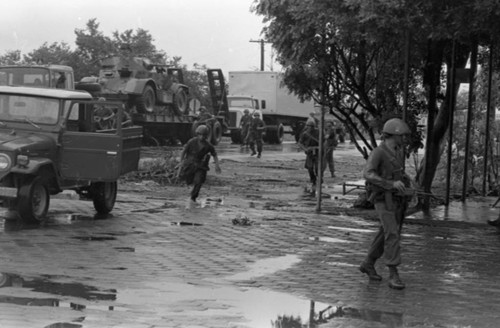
x,y
216,33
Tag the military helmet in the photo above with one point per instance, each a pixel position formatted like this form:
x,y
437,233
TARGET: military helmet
x,y
311,123
396,126
256,113
246,111
202,129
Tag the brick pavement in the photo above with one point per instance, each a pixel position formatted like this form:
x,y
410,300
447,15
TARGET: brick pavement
x,y
159,265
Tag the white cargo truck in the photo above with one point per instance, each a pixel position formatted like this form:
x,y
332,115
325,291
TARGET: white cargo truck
x,y
264,91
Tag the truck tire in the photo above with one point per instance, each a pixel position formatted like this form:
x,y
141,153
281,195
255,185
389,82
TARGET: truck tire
x,y
34,199
146,102
104,196
216,133
181,101
275,135
236,136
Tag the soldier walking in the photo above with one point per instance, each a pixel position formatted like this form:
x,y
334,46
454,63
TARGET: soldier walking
x,y
245,121
309,142
329,145
255,134
386,185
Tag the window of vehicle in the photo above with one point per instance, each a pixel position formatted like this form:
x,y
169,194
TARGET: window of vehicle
x,y
38,110
26,76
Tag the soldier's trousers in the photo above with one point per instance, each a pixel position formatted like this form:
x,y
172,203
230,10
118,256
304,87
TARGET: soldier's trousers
x,y
387,241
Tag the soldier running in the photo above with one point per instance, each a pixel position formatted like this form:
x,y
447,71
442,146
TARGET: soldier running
x,y
194,162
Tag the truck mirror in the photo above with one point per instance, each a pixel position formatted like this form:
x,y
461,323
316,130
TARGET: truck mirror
x,y
263,104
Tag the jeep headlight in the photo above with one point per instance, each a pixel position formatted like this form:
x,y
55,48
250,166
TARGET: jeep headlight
x,y
5,162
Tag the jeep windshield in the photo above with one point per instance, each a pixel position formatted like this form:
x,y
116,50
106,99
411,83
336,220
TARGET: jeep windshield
x,y
34,110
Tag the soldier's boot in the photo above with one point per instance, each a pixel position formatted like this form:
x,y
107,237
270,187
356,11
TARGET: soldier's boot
x,y
253,151
369,269
394,280
259,154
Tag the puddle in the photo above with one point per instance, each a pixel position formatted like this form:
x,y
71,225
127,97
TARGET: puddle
x,y
182,223
330,240
212,202
351,229
45,284
93,238
266,267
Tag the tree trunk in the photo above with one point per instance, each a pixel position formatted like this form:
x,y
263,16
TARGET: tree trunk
x,y
438,122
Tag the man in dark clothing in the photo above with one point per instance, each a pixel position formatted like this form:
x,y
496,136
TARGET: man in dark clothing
x,y
255,130
194,161
386,185
309,142
329,146
245,121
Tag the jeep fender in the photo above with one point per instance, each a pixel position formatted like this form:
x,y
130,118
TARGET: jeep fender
x,y
38,166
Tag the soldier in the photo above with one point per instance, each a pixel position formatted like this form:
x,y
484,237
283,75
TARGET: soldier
x,y
245,121
204,114
194,161
309,143
386,184
255,134
329,146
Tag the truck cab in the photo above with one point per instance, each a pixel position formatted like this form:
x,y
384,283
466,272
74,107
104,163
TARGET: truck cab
x,y
50,141
237,105
39,76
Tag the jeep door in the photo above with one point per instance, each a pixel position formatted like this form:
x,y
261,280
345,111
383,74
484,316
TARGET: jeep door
x,y
88,154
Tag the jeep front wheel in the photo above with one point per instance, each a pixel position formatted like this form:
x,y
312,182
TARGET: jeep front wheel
x,y
34,199
103,196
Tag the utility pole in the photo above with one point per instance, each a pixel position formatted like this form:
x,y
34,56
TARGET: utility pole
x,y
261,41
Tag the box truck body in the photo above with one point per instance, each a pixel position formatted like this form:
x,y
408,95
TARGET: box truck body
x,y
266,92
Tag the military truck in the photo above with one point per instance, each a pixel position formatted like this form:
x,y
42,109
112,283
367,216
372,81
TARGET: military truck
x,y
40,76
155,96
50,141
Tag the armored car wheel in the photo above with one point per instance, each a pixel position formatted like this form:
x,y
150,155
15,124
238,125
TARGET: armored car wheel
x,y
34,199
146,102
216,133
104,196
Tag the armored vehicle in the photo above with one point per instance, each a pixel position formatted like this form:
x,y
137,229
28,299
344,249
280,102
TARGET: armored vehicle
x,y
50,141
155,96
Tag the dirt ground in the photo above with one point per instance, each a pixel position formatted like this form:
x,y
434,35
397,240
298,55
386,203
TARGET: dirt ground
x,y
270,183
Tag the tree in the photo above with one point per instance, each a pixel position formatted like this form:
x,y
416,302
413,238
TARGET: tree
x,y
348,55
11,57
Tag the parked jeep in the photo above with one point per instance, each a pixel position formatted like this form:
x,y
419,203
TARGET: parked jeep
x,y
50,141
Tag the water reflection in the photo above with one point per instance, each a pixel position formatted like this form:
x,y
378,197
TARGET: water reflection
x,y
329,313
46,285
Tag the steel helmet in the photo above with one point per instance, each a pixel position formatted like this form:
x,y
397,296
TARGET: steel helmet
x,y
310,123
202,129
396,126
256,113
246,111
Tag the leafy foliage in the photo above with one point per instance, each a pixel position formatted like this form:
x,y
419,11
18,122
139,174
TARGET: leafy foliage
x,y
348,55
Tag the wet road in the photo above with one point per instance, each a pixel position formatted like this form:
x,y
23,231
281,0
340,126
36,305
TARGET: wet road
x,y
154,263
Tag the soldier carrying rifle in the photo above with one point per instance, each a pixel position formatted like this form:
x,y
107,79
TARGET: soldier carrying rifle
x,y
386,185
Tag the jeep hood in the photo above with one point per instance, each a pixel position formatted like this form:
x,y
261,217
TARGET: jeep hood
x,y
26,143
